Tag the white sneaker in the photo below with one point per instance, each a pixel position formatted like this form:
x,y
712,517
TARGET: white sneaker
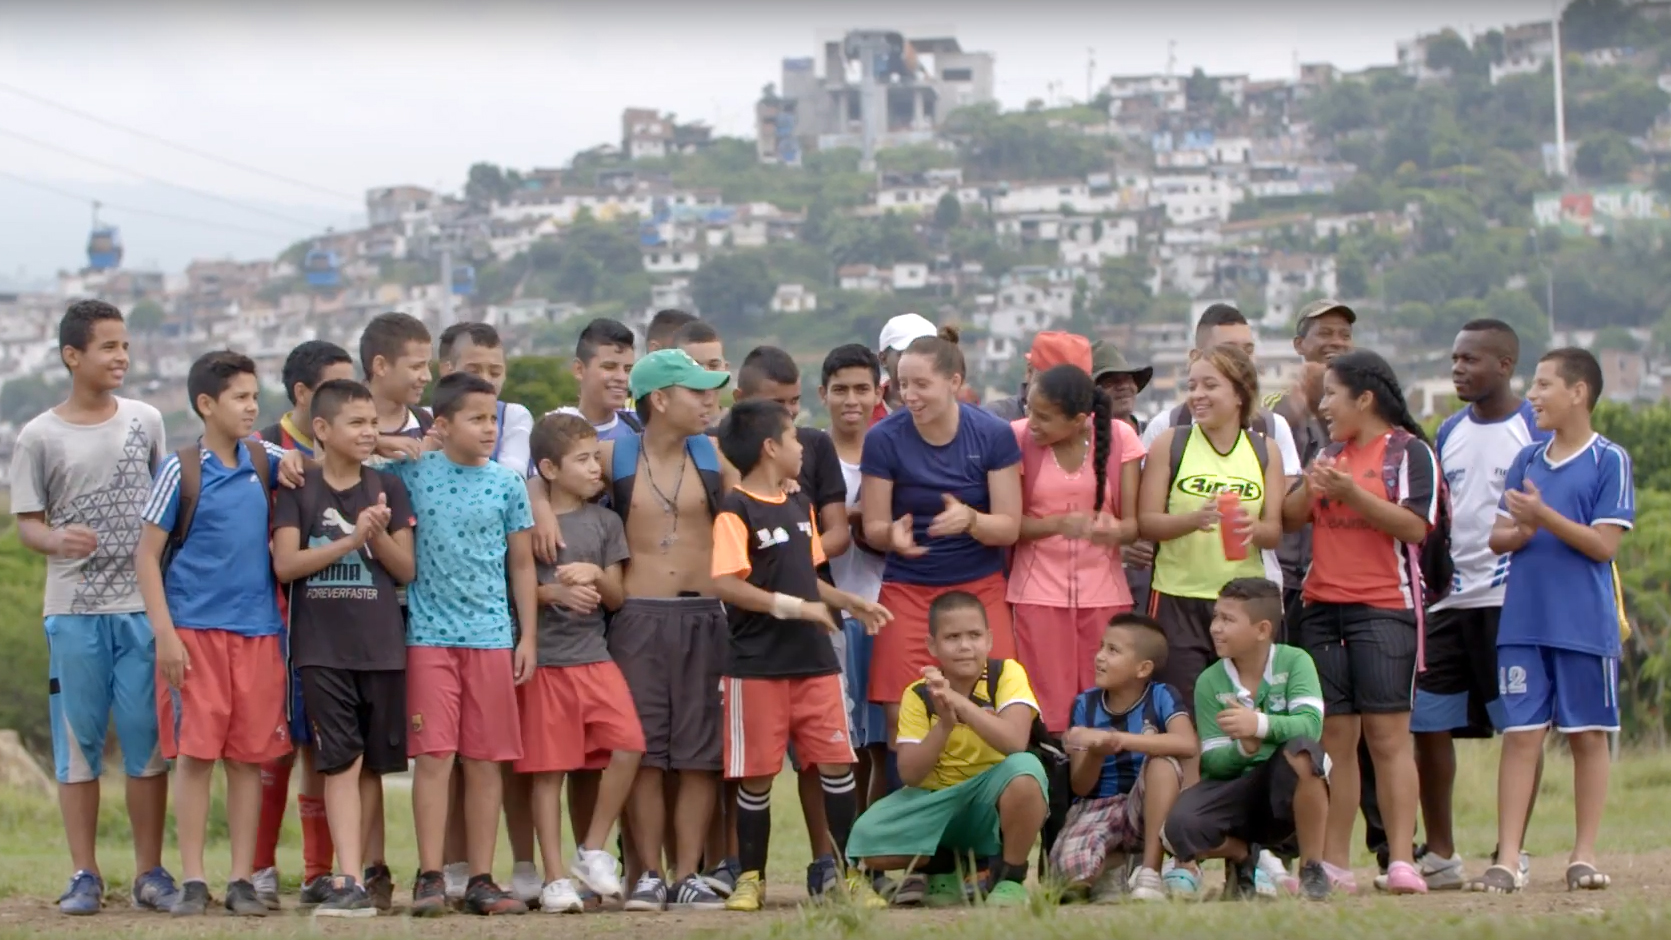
x,y
1440,873
266,882
1277,873
457,876
559,897
1147,885
525,882
596,869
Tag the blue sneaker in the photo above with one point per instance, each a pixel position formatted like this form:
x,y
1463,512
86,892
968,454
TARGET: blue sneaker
x,y
84,896
822,876
155,890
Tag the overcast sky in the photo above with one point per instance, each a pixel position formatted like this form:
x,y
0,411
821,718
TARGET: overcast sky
x,y
349,95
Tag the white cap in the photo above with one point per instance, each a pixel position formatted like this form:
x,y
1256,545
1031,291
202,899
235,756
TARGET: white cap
x,y
899,332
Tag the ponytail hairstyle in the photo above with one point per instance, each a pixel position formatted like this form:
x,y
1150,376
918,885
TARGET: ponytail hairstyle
x,y
1233,362
943,351
1363,370
1069,388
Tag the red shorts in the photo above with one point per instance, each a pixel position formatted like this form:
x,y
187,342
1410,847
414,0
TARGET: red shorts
x,y
461,701
1058,648
763,715
574,717
900,651
231,705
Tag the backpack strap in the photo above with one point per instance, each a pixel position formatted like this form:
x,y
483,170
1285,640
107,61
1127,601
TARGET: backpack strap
x,y
1392,460
426,420
263,466
499,440
1261,444
630,420
994,670
1032,461
1181,433
191,484
705,456
623,466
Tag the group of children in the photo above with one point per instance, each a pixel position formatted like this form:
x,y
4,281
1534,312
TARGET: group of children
x,y
640,603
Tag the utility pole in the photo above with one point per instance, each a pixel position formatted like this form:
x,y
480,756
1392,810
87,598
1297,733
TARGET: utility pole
x,y
1560,99
1090,73
1548,283
446,283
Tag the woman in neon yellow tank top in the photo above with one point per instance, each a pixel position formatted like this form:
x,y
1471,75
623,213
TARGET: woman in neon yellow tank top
x,y
1179,511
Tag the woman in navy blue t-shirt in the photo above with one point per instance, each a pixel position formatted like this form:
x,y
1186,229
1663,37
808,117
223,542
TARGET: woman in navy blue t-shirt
x,y
942,495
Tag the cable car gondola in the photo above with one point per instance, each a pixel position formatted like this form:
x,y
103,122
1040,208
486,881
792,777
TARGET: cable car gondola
x,y
321,267
104,245
464,280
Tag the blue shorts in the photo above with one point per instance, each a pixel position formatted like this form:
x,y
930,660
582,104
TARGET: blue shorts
x,y
870,726
99,665
1542,685
301,730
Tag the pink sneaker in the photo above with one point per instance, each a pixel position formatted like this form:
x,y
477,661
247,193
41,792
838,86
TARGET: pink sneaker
x,y
1403,878
1341,879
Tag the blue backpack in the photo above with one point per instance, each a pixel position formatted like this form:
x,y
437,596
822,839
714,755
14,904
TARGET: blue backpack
x,y
623,468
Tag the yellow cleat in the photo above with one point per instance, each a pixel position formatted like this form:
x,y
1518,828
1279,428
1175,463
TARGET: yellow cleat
x,y
861,893
749,895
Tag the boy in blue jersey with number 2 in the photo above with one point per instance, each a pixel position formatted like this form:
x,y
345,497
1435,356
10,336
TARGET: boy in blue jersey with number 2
x,y
1566,504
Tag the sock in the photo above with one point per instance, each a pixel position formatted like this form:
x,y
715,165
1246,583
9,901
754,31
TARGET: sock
x,y
891,766
317,850
1004,871
942,862
275,797
841,805
754,829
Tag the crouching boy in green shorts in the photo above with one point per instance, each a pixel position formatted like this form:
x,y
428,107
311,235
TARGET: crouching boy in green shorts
x,y
971,787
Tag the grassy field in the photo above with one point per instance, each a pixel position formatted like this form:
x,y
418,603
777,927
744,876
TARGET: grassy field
x,y
1636,840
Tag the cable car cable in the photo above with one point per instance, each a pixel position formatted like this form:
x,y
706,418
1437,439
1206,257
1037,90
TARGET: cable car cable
x,y
104,203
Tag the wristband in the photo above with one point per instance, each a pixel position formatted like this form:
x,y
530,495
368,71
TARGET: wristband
x,y
786,607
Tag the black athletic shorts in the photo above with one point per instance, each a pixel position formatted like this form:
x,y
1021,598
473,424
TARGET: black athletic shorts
x,y
672,652
1459,689
1257,807
356,713
1365,656
1187,623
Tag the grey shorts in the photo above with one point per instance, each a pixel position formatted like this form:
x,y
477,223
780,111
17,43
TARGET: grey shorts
x,y
672,652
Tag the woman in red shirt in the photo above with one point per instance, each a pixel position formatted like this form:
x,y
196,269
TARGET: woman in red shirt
x,y
1370,497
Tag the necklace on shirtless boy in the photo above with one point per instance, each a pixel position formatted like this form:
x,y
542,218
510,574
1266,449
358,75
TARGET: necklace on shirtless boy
x,y
669,504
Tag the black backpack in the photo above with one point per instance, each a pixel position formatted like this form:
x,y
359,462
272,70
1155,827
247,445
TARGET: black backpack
x,y
1041,744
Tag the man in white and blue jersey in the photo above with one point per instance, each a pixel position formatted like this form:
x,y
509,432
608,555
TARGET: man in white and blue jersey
x,y
1457,695
1566,504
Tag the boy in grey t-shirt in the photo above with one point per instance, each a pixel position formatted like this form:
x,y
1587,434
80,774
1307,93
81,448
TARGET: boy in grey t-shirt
x,y
80,475
577,712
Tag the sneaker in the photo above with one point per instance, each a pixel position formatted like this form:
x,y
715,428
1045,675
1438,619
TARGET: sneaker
x,y
346,898
192,901
155,890
1007,893
1440,873
650,894
749,893
1341,879
722,878
316,892
526,884
379,883
429,894
487,899
85,895
241,900
1314,882
1110,886
911,890
1182,882
590,900
559,897
822,877
943,891
1404,878
861,893
694,894
595,869
1147,885
1277,873
458,879
266,883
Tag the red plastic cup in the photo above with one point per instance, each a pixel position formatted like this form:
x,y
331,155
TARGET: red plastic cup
x,y
1229,526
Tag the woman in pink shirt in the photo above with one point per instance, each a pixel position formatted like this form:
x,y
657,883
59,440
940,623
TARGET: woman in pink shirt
x,y
1079,472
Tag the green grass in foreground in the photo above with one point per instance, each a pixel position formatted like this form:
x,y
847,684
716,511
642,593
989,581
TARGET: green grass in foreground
x,y
33,866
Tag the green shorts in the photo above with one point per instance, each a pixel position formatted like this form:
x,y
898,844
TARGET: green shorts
x,y
917,822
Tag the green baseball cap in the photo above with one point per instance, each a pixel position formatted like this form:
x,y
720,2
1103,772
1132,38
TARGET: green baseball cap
x,y
666,368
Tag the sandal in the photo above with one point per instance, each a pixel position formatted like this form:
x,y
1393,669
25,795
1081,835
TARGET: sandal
x,y
1498,879
1582,876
